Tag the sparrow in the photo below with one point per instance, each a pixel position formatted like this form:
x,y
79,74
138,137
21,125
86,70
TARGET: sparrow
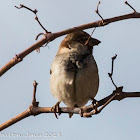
x,y
74,76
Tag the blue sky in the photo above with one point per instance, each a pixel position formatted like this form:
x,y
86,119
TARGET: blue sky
x,y
18,29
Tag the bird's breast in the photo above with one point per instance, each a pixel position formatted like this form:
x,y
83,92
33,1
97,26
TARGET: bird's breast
x,y
74,78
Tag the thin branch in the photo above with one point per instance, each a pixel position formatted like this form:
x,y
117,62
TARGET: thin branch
x,y
38,49
16,119
97,11
23,6
51,36
130,6
35,12
34,103
39,36
36,18
112,68
90,36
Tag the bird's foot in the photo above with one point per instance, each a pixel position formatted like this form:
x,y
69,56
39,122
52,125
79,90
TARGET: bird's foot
x,y
95,105
84,112
56,109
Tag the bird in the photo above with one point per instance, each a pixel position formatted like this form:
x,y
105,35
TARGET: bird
x,y
74,78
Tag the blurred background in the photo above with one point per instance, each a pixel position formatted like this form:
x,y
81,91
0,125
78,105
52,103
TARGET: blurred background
x,y
18,29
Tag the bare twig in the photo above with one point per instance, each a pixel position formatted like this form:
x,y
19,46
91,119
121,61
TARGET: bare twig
x,y
36,18
34,103
38,50
39,36
130,6
35,12
17,118
90,36
97,11
22,6
116,93
111,74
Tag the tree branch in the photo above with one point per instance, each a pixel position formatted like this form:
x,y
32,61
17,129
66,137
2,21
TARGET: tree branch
x,y
88,110
51,36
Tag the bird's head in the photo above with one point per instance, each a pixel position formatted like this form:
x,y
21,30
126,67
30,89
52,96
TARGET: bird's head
x,y
79,42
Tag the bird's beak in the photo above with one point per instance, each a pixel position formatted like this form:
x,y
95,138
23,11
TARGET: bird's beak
x,y
93,42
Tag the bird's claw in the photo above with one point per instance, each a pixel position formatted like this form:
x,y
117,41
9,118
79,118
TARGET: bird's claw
x,y
56,109
95,106
84,113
